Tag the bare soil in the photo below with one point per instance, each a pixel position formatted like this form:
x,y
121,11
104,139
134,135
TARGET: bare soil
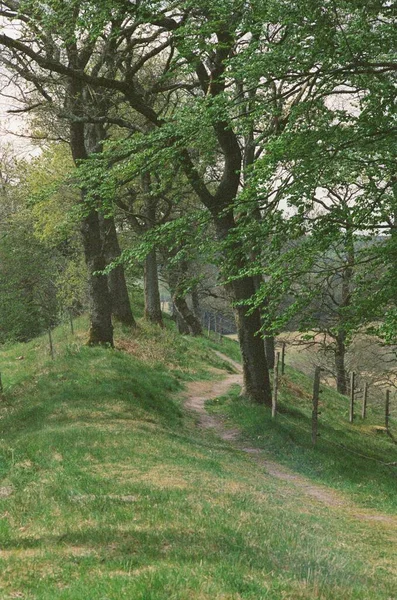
x,y
201,391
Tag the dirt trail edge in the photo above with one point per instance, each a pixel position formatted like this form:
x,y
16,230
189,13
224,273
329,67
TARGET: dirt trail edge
x,y
199,392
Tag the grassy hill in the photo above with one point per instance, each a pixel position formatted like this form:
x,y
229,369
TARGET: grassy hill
x,y
109,490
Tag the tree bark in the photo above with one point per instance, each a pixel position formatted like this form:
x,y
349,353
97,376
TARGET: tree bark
x,y
342,380
196,303
152,293
94,135
187,315
341,374
255,367
176,278
121,307
270,351
183,327
101,329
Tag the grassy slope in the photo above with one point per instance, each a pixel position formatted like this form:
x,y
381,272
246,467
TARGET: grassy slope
x,y
347,457
116,494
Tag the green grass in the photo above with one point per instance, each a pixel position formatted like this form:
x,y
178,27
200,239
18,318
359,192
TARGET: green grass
x,y
346,457
116,494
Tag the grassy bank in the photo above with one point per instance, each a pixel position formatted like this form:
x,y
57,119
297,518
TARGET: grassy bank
x,y
109,491
350,458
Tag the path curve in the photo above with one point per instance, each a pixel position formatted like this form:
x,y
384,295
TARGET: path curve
x,y
199,392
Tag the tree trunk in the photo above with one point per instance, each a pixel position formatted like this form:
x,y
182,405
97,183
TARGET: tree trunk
x,y
121,307
94,135
342,380
101,329
255,367
183,327
152,292
268,338
187,315
270,351
341,374
196,303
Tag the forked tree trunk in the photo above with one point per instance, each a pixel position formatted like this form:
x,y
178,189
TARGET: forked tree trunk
x,y
121,307
152,293
187,315
176,278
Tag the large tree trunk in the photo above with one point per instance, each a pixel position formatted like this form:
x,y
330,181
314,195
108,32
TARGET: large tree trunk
x,y
341,374
101,329
121,307
94,135
255,367
152,292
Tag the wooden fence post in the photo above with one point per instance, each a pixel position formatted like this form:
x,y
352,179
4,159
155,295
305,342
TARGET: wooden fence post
x,y
365,400
209,325
387,410
352,384
283,359
1,385
51,344
275,386
316,395
71,322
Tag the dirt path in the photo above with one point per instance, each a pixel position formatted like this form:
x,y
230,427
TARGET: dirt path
x,y
200,391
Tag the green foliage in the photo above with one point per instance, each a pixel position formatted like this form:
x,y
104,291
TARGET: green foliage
x,y
28,301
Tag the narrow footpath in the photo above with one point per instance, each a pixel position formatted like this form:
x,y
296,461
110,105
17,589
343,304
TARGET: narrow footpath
x,y
200,391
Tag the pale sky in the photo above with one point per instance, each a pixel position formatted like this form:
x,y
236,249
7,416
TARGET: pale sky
x,y
10,125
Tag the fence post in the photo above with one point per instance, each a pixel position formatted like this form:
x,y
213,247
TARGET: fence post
x,y
209,325
387,410
352,384
1,385
283,359
275,386
51,344
316,395
71,322
365,399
